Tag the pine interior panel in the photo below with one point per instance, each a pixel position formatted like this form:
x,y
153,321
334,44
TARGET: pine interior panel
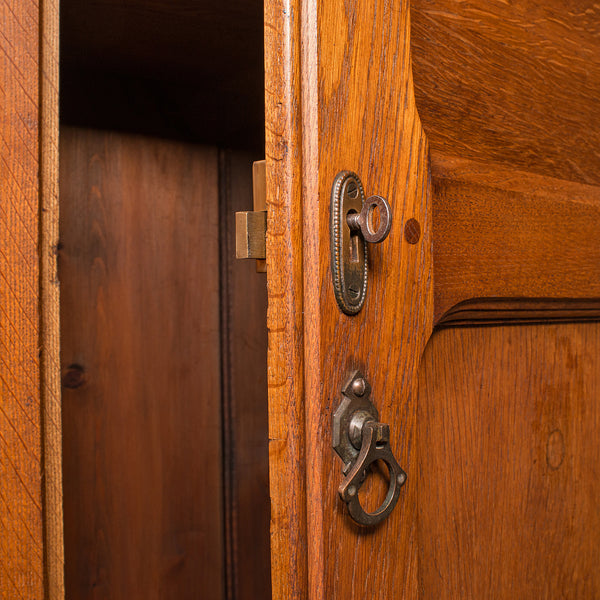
x,y
139,270
509,475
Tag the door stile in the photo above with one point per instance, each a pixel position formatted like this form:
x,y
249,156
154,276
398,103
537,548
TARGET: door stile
x,y
313,249
368,124
342,101
285,379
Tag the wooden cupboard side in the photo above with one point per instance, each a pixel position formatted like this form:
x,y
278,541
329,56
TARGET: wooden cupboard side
x,y
31,547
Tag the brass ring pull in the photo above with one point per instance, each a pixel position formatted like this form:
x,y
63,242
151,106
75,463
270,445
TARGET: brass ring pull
x,y
375,446
360,440
363,221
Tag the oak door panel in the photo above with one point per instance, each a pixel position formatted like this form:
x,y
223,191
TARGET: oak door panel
x,y
339,97
498,88
509,475
511,83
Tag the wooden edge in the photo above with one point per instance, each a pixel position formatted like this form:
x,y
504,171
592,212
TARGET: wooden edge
x,y
283,153
312,325
515,311
259,194
49,300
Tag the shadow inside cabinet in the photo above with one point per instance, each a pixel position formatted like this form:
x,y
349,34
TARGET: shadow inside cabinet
x,y
163,333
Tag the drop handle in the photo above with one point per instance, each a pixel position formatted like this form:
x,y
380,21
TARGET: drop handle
x,y
360,440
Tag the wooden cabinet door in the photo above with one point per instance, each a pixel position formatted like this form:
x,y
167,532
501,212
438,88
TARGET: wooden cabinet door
x,y
478,334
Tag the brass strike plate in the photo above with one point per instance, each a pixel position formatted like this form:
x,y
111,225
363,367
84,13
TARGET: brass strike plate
x,y
250,234
251,226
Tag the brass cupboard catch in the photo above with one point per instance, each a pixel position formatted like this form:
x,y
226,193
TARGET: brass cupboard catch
x,y
251,225
351,227
360,440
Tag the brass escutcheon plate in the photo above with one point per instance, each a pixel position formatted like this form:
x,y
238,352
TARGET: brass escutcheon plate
x,y
348,247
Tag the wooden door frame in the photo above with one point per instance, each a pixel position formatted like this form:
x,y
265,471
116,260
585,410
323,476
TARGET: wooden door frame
x,y
454,284
31,553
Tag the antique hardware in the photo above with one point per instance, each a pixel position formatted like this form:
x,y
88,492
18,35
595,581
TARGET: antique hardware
x,y
250,234
360,440
251,226
362,221
351,226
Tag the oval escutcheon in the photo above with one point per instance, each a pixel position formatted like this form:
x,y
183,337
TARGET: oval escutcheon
x,y
348,247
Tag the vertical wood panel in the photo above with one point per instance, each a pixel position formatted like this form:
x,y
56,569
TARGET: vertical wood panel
x,y
368,123
30,557
139,269
283,153
509,475
339,96
244,322
49,318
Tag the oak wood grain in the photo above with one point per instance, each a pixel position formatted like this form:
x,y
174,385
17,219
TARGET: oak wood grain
x,y
511,83
367,122
30,486
356,111
508,471
139,268
507,244
506,234
285,358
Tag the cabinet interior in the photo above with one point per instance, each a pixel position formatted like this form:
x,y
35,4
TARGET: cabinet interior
x,y
163,333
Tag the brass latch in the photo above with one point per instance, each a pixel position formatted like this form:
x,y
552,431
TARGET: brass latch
x,y
251,225
361,440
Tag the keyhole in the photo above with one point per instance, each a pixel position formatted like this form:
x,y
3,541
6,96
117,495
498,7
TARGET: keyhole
x,y
354,241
